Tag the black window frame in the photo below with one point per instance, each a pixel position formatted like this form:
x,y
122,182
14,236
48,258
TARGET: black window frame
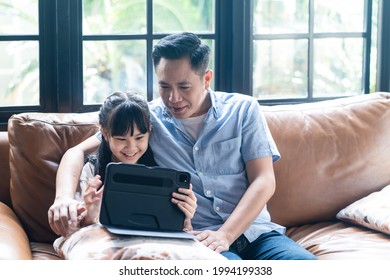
x,y
60,54
311,36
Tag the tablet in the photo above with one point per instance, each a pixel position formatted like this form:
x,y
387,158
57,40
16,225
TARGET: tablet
x,y
137,200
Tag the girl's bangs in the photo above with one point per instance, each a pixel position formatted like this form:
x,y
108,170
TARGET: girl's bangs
x,y
125,117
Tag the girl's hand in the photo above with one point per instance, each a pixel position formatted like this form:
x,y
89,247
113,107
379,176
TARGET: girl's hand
x,y
93,200
63,214
186,201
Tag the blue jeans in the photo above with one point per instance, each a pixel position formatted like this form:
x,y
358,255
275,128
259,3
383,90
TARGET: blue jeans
x,y
269,246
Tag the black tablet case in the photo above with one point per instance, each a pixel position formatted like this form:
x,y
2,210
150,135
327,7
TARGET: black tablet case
x,y
138,198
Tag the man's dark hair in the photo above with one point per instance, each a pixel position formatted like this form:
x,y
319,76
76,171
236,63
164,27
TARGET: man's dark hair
x,y
181,45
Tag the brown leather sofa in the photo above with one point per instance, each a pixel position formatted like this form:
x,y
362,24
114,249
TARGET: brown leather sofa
x,y
333,153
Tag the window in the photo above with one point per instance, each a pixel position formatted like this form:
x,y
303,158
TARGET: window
x,y
314,49
19,49
118,37
67,55
28,63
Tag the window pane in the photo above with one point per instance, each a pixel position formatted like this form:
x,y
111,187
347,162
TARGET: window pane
x,y
183,15
114,17
19,17
337,67
19,73
280,16
338,16
280,69
113,66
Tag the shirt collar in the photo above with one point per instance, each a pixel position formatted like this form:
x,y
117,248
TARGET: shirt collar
x,y
215,106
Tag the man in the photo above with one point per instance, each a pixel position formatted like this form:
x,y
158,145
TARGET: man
x,y
222,139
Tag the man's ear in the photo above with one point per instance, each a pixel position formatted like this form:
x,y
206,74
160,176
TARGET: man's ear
x,y
207,78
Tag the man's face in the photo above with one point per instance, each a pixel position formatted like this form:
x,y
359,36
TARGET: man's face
x,y
183,91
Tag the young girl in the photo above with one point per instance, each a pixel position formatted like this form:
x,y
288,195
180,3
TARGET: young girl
x,y
124,120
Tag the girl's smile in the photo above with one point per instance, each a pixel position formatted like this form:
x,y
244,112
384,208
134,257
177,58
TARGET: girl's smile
x,y
128,148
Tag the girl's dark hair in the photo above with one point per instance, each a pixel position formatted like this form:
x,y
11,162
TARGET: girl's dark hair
x,y
180,45
118,115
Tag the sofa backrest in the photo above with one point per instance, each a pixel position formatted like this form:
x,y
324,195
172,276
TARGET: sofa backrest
x,y
37,143
333,153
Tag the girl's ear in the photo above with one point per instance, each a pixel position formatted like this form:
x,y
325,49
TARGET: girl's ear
x,y
104,133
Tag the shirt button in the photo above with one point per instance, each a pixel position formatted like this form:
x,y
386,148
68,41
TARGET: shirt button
x,y
196,148
208,192
217,208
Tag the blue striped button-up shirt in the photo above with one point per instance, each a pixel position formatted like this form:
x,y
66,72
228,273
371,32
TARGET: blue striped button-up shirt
x,y
234,132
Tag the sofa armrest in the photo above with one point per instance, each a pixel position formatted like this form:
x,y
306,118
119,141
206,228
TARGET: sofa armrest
x,y
4,169
14,244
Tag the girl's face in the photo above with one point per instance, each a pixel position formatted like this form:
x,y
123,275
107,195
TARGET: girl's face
x,y
127,148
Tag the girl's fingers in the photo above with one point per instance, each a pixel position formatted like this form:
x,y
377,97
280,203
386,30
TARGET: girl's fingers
x,y
95,182
187,192
182,197
186,200
188,211
185,196
100,191
189,205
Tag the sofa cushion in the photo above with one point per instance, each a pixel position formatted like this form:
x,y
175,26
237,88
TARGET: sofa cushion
x,y
14,244
333,153
372,211
37,143
43,251
341,241
95,242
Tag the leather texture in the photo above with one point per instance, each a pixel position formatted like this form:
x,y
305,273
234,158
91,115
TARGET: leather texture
x,y
333,153
341,241
14,243
37,143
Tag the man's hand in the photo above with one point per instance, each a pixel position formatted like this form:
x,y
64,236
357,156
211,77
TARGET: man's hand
x,y
217,241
